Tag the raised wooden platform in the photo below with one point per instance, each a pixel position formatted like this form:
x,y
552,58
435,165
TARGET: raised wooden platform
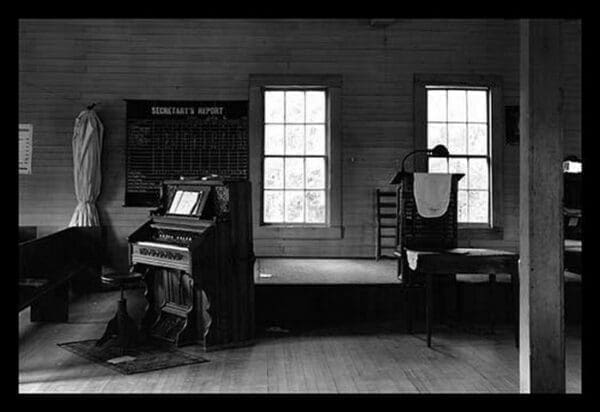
x,y
303,292
293,271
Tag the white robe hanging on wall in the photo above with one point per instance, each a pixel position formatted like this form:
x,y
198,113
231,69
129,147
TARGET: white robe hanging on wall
x,y
87,149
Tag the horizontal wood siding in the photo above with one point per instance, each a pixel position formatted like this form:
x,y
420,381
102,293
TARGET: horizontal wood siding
x,y
66,64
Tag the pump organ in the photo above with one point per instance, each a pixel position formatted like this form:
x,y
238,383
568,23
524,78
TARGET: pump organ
x,y
196,255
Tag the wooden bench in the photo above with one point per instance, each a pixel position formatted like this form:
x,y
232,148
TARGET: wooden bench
x,y
48,263
27,233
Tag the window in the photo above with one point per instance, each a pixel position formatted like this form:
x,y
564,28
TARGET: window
x,y
295,156
295,138
458,118
465,112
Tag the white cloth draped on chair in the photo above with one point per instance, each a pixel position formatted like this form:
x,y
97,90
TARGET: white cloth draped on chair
x,y
432,193
87,149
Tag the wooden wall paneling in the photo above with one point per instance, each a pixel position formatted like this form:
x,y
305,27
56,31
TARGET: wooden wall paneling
x,y
65,64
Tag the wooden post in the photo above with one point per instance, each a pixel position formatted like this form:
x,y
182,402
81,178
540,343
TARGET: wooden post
x,y
542,339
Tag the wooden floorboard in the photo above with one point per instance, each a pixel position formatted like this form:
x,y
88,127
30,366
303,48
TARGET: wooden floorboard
x,y
367,358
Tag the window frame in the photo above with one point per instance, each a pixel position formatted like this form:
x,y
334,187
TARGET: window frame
x,y
304,156
493,83
332,228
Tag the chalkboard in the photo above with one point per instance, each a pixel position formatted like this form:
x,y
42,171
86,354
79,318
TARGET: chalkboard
x,y
170,139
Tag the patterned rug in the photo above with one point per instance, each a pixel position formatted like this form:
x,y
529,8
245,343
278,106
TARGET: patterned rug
x,y
143,358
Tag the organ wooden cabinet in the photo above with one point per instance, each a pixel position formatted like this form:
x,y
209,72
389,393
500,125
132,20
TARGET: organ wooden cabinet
x,y
197,258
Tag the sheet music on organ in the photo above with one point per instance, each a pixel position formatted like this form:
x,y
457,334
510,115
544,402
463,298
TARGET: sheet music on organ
x,y
184,202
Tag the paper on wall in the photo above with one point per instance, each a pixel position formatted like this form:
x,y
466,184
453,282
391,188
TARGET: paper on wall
x,y
25,148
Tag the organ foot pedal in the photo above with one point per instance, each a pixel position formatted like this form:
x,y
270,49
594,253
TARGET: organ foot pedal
x,y
171,322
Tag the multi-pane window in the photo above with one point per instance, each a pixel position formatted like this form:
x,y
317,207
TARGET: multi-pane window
x,y
458,118
295,156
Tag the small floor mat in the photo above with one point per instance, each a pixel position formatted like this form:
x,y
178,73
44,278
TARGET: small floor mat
x,y
144,358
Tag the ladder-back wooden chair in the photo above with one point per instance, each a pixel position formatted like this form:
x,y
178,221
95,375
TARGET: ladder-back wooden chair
x,y
386,223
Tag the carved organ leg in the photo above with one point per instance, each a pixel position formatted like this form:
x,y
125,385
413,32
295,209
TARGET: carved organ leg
x,y
151,313
206,318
